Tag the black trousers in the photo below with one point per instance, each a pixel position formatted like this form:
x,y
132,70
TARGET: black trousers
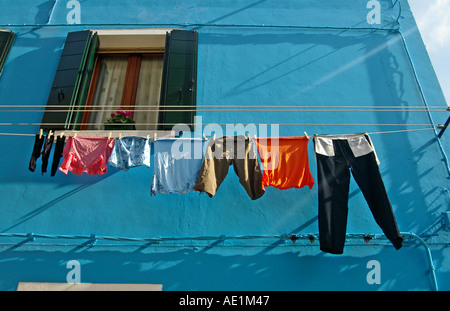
x,y
333,183
46,153
57,154
38,142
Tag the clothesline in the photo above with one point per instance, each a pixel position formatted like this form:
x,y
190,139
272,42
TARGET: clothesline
x,y
233,110
371,133
236,106
187,108
281,124
243,105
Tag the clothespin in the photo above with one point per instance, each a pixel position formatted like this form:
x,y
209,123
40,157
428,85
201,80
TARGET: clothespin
x,y
75,136
61,135
148,136
50,133
155,136
306,135
41,132
110,134
214,136
120,135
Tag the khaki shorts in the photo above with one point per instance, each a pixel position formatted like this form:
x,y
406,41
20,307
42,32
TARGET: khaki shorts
x,y
223,152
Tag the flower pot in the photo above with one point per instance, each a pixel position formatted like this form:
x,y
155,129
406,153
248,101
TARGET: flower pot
x,y
119,126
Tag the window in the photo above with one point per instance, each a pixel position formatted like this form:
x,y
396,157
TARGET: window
x,y
131,82
151,73
6,41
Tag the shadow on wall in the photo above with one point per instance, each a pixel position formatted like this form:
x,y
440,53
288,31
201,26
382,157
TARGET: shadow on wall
x,y
274,269
39,64
407,157
249,6
44,11
303,50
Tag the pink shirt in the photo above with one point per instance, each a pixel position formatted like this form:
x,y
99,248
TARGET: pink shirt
x,y
86,154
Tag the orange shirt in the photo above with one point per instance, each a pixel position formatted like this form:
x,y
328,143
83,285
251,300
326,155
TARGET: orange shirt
x,y
285,162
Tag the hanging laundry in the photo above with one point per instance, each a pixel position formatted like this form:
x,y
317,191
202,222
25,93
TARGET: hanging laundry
x,y
177,165
46,152
57,154
285,162
38,142
336,156
130,152
223,152
86,154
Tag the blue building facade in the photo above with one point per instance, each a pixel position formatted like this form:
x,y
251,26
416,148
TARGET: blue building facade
x,y
264,68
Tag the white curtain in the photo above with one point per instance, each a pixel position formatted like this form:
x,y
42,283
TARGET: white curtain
x,y
108,92
110,86
148,92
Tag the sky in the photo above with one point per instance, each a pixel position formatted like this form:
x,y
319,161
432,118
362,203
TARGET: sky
x,y
433,20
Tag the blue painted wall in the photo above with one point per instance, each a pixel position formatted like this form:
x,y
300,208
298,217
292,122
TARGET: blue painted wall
x,y
268,53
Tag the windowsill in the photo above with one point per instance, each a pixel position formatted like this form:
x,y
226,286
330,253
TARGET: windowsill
x,y
117,134
30,286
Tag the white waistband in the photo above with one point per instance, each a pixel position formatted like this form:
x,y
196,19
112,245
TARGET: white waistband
x,y
360,144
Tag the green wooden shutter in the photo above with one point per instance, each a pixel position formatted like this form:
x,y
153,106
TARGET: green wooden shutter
x,y
179,82
6,41
68,92
85,81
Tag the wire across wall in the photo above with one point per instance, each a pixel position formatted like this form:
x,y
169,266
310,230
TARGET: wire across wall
x,y
154,108
230,108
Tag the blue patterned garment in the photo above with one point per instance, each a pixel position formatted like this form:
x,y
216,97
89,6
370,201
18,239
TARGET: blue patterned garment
x,y
130,152
177,165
